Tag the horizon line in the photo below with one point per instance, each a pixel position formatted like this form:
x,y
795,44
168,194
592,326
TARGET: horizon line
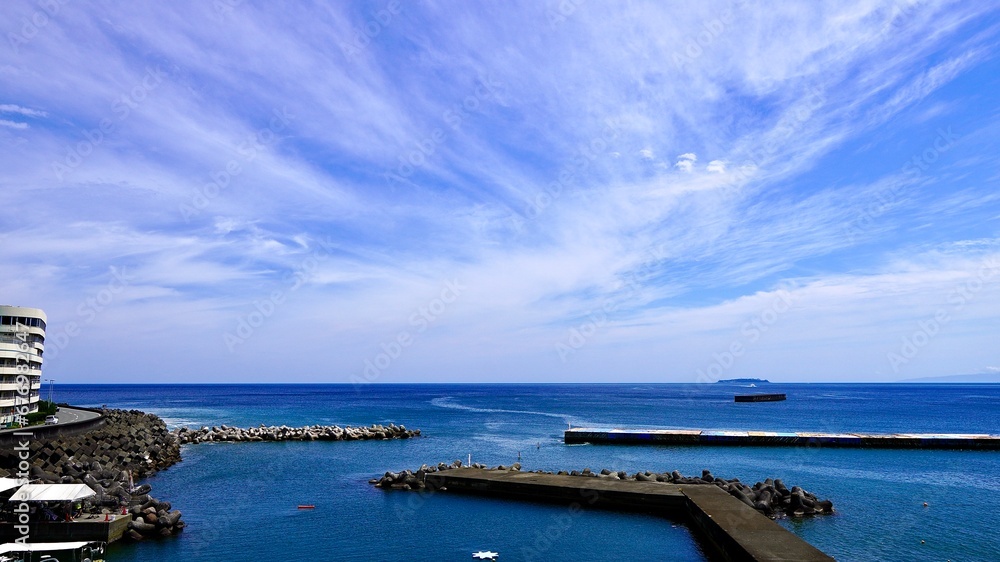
x,y
911,381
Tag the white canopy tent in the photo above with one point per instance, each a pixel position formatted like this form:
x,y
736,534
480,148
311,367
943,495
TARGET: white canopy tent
x,y
8,483
43,546
52,493
77,551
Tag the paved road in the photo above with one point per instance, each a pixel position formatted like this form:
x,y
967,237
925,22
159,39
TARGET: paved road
x,y
65,415
69,415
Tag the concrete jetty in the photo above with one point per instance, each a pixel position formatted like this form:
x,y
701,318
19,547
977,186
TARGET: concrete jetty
x,y
731,529
782,439
89,527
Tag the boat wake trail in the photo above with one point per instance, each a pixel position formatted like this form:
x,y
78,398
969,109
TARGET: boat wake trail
x,y
446,402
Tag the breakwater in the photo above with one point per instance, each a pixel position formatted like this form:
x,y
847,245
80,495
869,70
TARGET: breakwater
x,y
284,433
782,439
770,497
128,446
759,397
729,528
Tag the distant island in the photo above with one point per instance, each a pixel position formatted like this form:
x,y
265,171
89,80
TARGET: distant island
x,y
731,381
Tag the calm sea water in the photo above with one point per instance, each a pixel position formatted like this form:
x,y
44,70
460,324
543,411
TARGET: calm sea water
x,y
240,499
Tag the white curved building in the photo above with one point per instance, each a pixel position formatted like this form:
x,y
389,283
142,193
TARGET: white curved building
x,y
22,342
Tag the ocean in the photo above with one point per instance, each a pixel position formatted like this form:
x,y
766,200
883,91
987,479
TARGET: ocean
x,y
239,500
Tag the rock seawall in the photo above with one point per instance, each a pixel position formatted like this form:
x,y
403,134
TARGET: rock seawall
x,y
284,433
770,497
129,441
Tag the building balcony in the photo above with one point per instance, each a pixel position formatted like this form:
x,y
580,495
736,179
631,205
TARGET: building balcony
x,y
12,386
13,372
19,401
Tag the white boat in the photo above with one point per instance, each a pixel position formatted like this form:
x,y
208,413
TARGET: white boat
x,y
485,555
78,551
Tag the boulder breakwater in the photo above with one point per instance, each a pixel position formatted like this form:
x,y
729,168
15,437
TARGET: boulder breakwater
x,y
771,497
225,433
131,445
128,446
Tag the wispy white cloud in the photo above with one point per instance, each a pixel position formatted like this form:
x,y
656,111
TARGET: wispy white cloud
x,y
685,162
529,170
717,166
27,112
928,81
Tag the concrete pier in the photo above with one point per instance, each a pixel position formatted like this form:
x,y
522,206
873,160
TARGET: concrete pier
x,y
782,439
729,528
89,527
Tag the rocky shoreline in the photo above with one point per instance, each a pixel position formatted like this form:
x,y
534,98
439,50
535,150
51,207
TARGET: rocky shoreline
x,y
130,441
132,445
225,433
770,497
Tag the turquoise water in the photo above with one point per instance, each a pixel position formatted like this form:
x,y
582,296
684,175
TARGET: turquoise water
x,y
240,499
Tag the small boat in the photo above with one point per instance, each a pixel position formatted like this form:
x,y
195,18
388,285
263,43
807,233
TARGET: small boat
x,y
78,551
485,555
309,506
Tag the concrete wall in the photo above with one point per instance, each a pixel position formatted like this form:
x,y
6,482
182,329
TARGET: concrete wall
x,y
74,531
48,432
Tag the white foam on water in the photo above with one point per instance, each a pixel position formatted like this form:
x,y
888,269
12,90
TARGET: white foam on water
x,y
446,402
185,417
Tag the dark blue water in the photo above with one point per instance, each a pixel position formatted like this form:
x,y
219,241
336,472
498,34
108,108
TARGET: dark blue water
x,y
240,499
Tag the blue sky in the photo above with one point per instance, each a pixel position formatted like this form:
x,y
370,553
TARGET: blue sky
x,y
537,192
